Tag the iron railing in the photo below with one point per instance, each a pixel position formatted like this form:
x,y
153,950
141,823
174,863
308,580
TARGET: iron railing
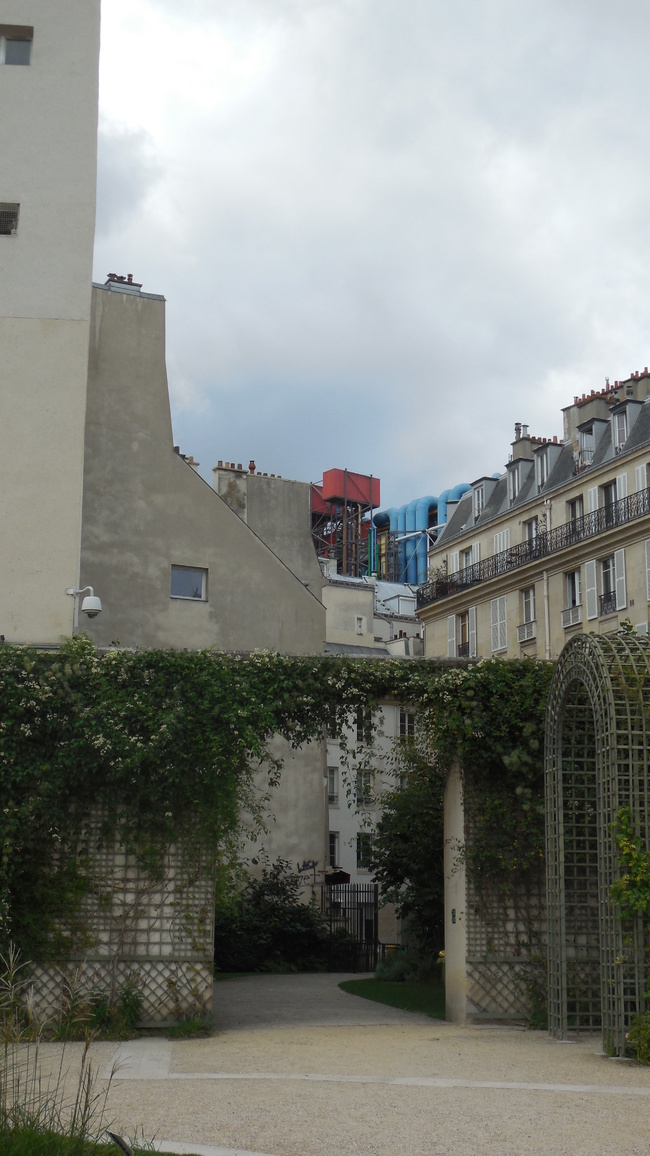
x,y
608,603
546,542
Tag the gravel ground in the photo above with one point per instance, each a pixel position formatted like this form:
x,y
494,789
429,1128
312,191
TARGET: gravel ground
x,y
298,1068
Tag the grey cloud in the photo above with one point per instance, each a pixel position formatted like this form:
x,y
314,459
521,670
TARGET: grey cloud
x,y
126,172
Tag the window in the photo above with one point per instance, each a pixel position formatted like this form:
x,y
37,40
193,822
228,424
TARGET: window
x,y
478,501
360,624
530,529
572,616
8,218
619,430
365,783
499,623
332,786
528,628
15,44
334,849
575,510
364,851
189,583
609,501
406,724
461,634
364,720
541,468
641,478
608,586
513,482
466,558
613,594
573,588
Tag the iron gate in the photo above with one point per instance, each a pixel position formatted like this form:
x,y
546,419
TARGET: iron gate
x,y
352,911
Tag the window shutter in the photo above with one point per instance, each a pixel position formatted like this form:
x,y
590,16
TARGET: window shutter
x,y
621,487
591,594
494,621
472,632
503,623
454,562
476,553
592,500
640,478
619,572
647,569
451,636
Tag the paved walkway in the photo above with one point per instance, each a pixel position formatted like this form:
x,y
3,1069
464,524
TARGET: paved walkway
x,y
298,1068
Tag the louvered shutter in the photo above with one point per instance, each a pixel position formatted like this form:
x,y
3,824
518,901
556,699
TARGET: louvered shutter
x,y
454,562
592,500
619,573
494,622
451,636
621,487
640,478
647,570
591,593
476,553
503,623
472,632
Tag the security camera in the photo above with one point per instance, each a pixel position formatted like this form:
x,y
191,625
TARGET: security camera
x,y
91,605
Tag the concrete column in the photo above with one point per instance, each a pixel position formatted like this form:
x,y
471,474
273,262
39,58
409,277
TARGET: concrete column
x,y
455,900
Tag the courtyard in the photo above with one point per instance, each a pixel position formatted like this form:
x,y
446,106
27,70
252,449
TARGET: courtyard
x,y
295,1067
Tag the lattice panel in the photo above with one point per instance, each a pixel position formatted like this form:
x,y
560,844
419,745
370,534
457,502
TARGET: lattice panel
x,y
597,748
496,990
158,927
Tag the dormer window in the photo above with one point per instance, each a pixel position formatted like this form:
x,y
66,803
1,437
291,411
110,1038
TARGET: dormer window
x,y
619,430
541,469
513,482
478,501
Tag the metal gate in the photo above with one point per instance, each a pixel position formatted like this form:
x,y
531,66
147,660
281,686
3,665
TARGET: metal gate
x,y
352,912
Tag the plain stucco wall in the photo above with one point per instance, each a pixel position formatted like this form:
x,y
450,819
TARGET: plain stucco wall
x,y
145,509
279,512
48,129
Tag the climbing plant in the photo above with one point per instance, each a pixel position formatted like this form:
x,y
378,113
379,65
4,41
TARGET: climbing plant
x,y
165,743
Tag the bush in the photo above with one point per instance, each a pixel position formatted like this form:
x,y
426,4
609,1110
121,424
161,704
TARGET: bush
x,y
638,1038
265,926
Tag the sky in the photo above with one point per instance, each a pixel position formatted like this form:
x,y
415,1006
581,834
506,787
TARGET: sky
x,y
385,229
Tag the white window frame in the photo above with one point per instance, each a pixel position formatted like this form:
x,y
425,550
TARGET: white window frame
x,y
335,846
641,478
619,430
531,529
364,839
514,482
499,623
406,723
199,570
541,468
333,786
528,605
502,541
478,501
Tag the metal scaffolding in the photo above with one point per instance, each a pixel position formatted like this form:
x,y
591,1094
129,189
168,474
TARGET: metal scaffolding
x,y
597,750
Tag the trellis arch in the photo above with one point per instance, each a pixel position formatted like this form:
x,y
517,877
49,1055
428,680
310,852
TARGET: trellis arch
x,y
597,749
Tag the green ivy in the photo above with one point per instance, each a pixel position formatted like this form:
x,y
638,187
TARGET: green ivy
x,y
164,742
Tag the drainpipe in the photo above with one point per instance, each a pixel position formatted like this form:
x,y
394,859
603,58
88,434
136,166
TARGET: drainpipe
x,y
547,618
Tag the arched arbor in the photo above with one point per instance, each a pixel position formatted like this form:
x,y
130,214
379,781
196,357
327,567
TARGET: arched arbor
x,y
597,750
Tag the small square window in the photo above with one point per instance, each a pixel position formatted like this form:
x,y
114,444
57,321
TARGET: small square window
x,y
189,583
15,44
8,218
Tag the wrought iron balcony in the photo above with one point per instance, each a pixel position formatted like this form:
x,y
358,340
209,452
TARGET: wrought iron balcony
x,y
526,631
463,649
572,616
547,542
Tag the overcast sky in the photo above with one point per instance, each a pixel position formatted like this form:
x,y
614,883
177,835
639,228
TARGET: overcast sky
x,y
386,229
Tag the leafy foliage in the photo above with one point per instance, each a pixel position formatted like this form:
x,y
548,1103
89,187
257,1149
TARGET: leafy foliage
x,y
631,892
266,927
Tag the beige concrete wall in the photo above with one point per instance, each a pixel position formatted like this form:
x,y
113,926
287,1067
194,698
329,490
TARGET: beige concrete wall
x,y
48,129
145,509
344,604
279,512
455,901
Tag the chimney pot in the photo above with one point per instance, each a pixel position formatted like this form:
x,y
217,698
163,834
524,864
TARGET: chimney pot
x,y
251,466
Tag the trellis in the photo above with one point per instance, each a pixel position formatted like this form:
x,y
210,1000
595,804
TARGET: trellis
x,y
597,750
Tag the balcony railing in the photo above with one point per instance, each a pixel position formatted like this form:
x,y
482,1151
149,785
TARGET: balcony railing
x,y
572,616
463,649
526,631
547,542
608,603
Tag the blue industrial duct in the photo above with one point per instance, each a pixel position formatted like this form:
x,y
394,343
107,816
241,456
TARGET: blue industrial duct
x,y
423,509
450,496
385,519
401,544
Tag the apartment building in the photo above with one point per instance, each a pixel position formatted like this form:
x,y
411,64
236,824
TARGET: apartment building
x,y
557,544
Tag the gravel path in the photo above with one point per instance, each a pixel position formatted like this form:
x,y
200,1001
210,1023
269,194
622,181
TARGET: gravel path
x,y
298,1068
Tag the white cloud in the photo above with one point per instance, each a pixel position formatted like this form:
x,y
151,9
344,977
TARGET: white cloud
x,y
385,230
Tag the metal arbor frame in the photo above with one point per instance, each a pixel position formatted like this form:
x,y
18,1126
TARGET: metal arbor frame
x,y
597,749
